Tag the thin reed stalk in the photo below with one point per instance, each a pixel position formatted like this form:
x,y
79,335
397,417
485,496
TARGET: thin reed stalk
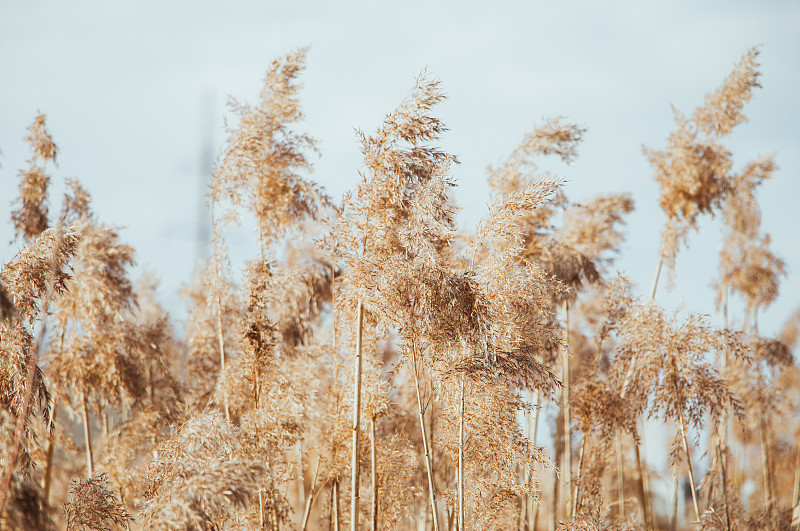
x,y
713,450
532,433
722,436
310,497
261,508
559,436
796,494
335,505
425,442
104,423
87,436
221,343
689,466
461,525
51,445
302,493
374,466
522,506
724,472
567,471
765,466
656,275
620,479
218,303
762,432
355,463
51,435
276,523
576,490
644,479
674,522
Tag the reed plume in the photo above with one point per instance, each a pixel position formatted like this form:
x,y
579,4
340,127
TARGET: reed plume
x,y
31,217
694,169
263,158
93,505
372,355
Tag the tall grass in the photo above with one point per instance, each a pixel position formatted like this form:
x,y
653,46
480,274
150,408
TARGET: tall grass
x,y
372,350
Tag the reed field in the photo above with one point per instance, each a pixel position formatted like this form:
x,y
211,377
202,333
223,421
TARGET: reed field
x,y
374,366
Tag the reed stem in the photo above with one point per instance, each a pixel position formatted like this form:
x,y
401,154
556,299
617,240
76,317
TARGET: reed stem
x,y
567,468
796,495
689,466
425,446
461,511
87,436
355,463
374,464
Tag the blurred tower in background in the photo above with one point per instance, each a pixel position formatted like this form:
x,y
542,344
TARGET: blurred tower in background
x,y
205,167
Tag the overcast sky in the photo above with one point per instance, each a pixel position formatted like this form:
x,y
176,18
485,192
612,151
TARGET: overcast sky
x,y
133,90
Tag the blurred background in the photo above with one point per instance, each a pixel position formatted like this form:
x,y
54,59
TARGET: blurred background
x,y
135,95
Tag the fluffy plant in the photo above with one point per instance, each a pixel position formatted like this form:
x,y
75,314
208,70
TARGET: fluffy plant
x,y
93,505
30,218
204,477
395,376
93,365
694,170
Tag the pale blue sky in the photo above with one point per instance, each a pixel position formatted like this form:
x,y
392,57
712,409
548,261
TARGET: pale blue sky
x,y
124,83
